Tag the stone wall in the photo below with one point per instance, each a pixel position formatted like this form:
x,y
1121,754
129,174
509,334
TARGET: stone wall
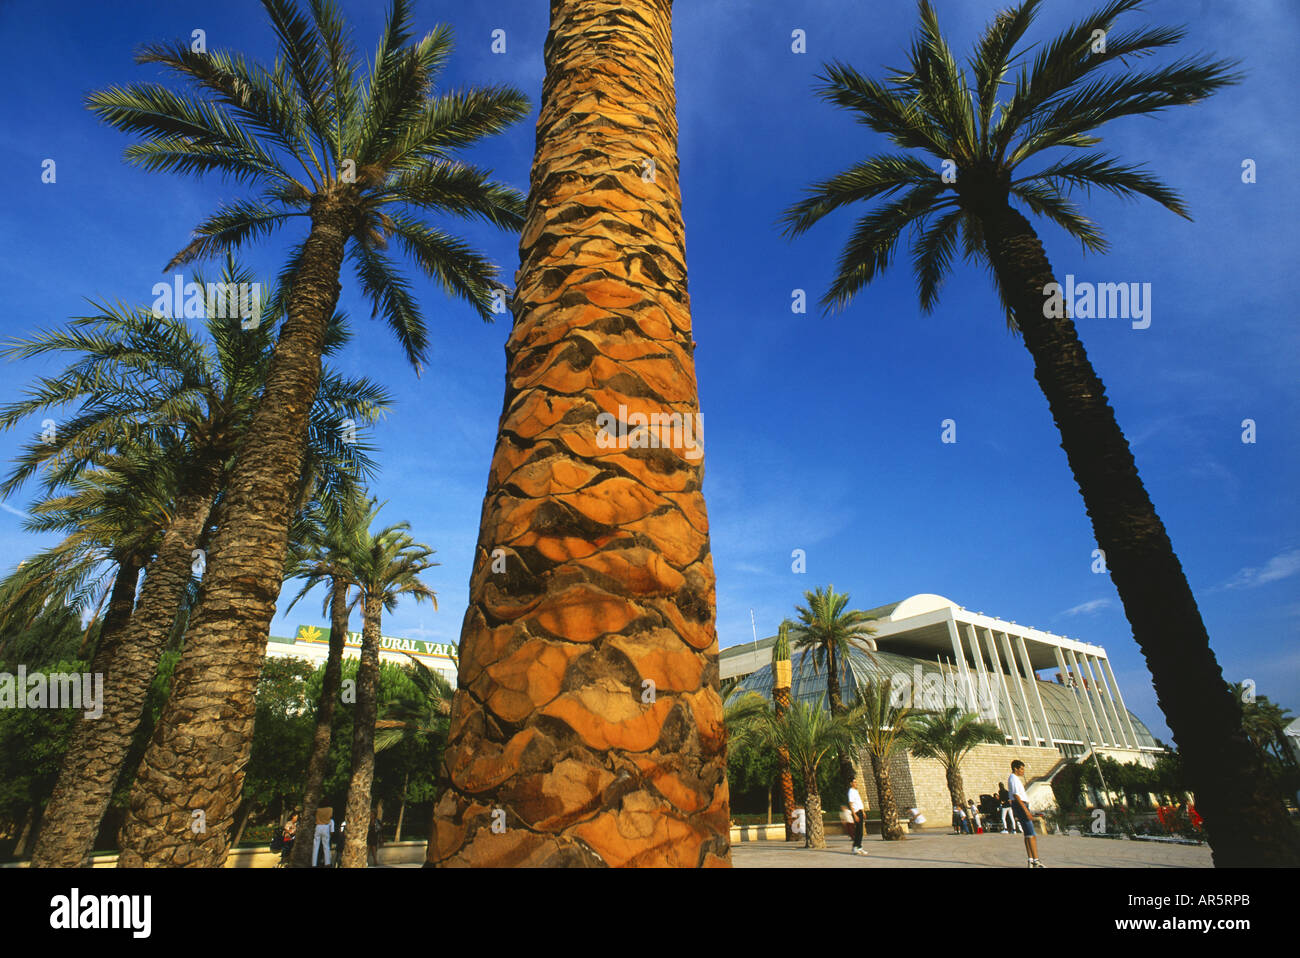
x,y
920,782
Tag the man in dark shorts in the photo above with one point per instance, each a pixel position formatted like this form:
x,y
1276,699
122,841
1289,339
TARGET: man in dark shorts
x,y
1020,809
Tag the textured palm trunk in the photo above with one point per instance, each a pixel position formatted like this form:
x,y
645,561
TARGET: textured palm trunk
x,y
587,725
363,739
890,829
814,826
781,703
849,770
1244,815
188,786
956,787
320,742
121,603
127,658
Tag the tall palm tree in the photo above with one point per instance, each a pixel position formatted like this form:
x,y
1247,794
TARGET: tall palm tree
x,y
330,533
950,736
1058,101
808,733
149,386
588,665
782,682
363,155
828,631
881,727
384,566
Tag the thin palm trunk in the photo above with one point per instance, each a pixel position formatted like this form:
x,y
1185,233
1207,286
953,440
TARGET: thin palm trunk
x,y
320,743
363,739
25,833
1244,815
608,584
890,829
196,759
128,660
816,827
401,809
781,703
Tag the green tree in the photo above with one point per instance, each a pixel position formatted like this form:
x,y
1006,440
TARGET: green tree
x,y
808,733
828,630
163,408
415,730
882,726
960,198
363,156
319,554
385,566
950,736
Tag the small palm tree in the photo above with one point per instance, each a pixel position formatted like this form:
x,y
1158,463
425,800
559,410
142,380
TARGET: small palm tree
x,y
882,727
950,736
328,534
808,733
422,725
782,682
363,155
960,198
828,631
384,567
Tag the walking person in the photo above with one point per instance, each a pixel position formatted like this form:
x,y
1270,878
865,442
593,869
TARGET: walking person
x,y
859,817
1020,809
321,837
1008,817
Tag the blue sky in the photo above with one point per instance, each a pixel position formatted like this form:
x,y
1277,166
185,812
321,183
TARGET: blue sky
x,y
823,433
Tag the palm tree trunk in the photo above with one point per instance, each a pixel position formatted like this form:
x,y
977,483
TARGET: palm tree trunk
x,y
196,759
401,809
128,659
243,818
1244,815
25,832
781,702
363,739
588,701
890,829
956,787
848,770
300,857
816,828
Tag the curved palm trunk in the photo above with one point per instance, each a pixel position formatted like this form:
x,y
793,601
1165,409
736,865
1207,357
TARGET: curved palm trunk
x,y
195,760
320,742
556,737
956,786
815,827
890,829
1243,813
128,659
848,768
363,739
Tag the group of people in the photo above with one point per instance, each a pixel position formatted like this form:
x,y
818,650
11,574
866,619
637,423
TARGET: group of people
x,y
326,835
1013,803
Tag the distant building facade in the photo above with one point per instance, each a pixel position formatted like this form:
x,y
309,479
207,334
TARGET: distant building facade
x,y
312,643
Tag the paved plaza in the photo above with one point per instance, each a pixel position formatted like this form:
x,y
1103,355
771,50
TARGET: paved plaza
x,y
940,849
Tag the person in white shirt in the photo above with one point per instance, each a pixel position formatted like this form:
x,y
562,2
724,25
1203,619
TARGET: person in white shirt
x,y
1020,808
859,817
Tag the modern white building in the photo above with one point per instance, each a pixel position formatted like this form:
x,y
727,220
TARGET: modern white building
x,y
312,643
944,654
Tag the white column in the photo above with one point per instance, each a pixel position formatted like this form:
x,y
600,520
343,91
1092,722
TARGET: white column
x,y
959,654
1006,689
1078,684
985,684
1020,685
1116,732
1033,684
1065,675
1123,710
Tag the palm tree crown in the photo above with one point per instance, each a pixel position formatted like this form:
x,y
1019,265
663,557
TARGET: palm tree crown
x,y
315,130
934,107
